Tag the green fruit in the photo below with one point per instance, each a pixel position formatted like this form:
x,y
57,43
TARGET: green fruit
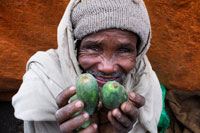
x,y
87,123
87,91
113,94
73,98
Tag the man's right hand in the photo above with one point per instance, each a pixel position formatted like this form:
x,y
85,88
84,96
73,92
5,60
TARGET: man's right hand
x,y
66,110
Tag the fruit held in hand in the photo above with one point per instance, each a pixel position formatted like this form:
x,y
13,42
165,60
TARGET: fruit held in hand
x,y
87,91
87,123
113,94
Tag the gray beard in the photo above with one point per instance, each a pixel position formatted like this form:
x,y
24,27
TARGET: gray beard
x,y
121,75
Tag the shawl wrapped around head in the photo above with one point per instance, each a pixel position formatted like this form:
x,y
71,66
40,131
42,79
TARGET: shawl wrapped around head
x,y
48,73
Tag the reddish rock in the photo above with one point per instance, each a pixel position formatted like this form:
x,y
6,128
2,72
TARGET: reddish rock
x,y
175,49
27,26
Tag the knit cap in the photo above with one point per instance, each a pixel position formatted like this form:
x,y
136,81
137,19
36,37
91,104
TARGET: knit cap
x,y
90,16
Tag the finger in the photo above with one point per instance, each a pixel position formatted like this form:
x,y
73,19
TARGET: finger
x,y
63,98
67,111
72,124
91,129
129,109
137,99
116,125
121,118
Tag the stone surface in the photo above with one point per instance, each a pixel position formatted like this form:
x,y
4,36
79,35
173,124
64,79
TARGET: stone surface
x,y
27,26
175,49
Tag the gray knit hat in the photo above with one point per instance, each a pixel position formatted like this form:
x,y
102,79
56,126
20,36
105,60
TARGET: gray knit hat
x,y
91,16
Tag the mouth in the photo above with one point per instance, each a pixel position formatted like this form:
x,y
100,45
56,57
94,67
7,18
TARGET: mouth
x,y
102,80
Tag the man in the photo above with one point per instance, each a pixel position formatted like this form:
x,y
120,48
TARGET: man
x,y
109,39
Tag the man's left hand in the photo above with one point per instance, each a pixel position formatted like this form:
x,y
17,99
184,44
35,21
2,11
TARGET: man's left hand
x,y
123,118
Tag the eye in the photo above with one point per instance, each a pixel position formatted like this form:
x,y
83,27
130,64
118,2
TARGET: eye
x,y
94,48
124,50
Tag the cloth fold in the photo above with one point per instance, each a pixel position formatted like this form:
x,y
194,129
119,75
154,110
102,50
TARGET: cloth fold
x,y
184,111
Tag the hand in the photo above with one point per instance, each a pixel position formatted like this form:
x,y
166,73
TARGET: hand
x,y
123,118
66,110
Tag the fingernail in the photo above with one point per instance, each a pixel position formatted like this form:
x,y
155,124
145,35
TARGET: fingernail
x,y
118,115
78,104
115,112
128,107
95,126
132,94
72,88
86,115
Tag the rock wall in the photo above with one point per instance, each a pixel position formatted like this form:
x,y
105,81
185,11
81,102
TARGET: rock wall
x,y
175,49
27,26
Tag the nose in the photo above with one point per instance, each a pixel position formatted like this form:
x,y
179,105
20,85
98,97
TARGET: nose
x,y
107,66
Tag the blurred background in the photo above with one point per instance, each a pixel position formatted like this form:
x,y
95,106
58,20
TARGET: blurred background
x,y
27,26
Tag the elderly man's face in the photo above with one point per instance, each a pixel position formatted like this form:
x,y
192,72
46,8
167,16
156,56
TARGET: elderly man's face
x,y
108,55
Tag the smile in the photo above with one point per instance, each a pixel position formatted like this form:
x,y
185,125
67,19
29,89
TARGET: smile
x,y
102,80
